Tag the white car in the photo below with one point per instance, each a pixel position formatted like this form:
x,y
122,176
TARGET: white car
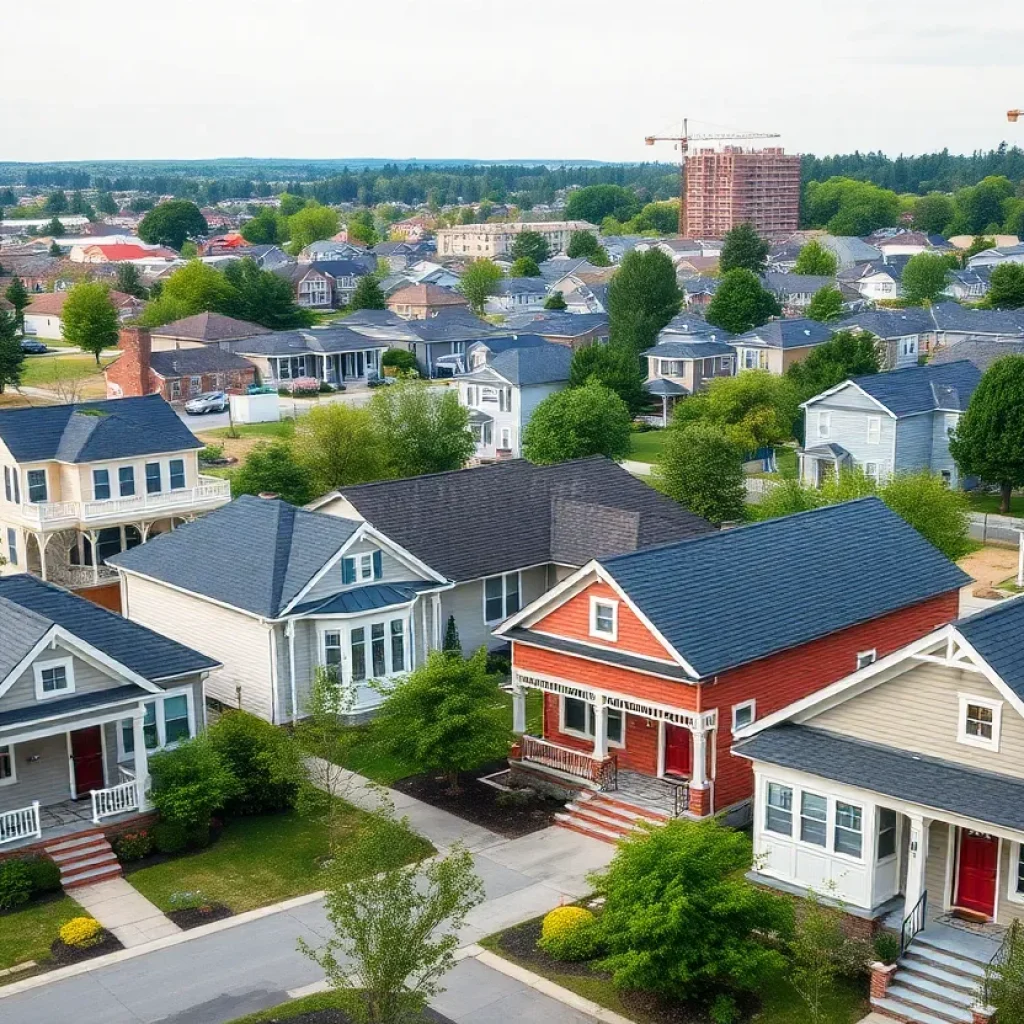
x,y
209,401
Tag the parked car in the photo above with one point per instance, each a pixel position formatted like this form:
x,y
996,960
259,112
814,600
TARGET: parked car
x,y
32,347
209,401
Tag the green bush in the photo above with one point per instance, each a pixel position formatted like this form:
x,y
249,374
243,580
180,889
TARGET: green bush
x,y
193,900
400,358
15,884
211,453
170,836
191,782
132,846
887,948
44,874
570,933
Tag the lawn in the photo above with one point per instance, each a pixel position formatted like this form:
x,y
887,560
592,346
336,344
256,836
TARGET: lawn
x,y
279,428
286,1011
257,861
989,501
26,934
647,446
45,371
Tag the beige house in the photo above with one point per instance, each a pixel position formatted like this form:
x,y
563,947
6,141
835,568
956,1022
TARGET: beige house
x,y
480,241
778,344
425,301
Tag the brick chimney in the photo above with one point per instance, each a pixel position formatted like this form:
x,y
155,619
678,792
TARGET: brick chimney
x,y
129,376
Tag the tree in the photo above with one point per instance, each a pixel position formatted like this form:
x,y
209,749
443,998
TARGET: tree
x,y
338,445
446,716
190,782
613,365
56,202
452,644
846,354
577,422
361,228
744,249
702,469
980,207
655,218
311,224
849,207
367,294
421,430
555,301
129,281
268,227
815,260
941,514
89,319
289,204
979,244
1006,286
172,223
12,356
189,250
786,497
530,244
933,213
17,295
272,468
194,288
54,228
524,267
741,303
394,932
595,202
1004,977
642,297
260,297
105,203
479,282
989,439
585,245
400,358
924,277
681,921
826,304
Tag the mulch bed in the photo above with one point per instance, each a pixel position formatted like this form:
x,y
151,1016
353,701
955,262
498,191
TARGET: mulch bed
x,y
193,917
340,1017
61,954
479,803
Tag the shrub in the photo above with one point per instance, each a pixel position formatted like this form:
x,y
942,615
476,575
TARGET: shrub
x,y
170,836
81,932
191,782
569,933
400,358
515,799
132,846
887,948
43,874
724,1010
15,884
325,388
193,900
211,453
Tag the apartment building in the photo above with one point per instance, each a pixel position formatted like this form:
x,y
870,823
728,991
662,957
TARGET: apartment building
x,y
480,241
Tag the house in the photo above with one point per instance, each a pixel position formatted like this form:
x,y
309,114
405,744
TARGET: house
x,y
43,314
899,791
585,291
516,295
85,697
412,229
324,284
698,292
270,257
502,390
688,353
84,481
903,243
575,330
424,301
650,662
795,291
480,241
121,252
968,285
954,323
505,533
330,250
325,592
1000,254
981,353
875,280
885,423
203,329
849,250
904,335
398,255
776,345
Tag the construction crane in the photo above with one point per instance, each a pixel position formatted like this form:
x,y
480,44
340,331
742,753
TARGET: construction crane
x,y
683,141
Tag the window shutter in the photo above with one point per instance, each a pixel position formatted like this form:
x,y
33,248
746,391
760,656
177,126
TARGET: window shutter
x,y
348,570
378,565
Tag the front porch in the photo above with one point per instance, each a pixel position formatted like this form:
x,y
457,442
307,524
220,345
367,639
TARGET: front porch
x,y
335,368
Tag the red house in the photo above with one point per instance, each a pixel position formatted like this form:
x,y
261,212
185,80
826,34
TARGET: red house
x,y
650,661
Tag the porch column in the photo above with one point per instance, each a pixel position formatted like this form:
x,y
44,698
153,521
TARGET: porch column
x,y
42,540
141,758
518,709
600,729
436,607
94,543
699,774
916,861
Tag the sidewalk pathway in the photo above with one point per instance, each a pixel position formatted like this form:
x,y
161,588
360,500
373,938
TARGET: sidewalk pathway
x,y
123,910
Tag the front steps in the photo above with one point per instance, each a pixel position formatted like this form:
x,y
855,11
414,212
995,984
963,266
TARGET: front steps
x,y
84,859
606,818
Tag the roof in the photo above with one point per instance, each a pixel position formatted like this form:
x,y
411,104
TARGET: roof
x,y
427,295
951,316
663,388
124,251
504,342
792,284
929,781
691,325
321,339
337,268
546,363
917,389
767,587
827,451
87,431
981,353
366,599
202,557
558,324
675,346
30,607
181,362
789,333
521,286
997,634
209,327
890,323
477,522
52,303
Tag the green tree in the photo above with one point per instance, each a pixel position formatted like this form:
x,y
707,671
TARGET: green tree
x,y
56,202
681,921
452,644
524,267
194,288
815,260
479,282
17,295
1004,977
979,208
12,356
785,498
744,249
367,294
190,782
361,228
105,203
642,297
311,224
741,303
272,468
400,358
555,301
924,277
577,422
826,304
656,219
846,354
531,245
980,243
421,430
129,280
55,249
173,223
338,445
585,245
849,207
1006,286
89,319
189,250
446,716
290,204
703,470
268,227
261,297
54,228
938,512
613,365
595,202
933,213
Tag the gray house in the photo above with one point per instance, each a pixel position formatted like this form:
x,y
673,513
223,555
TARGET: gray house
x,y
887,423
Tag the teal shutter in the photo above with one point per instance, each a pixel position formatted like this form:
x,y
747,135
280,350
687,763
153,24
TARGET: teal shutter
x,y
378,565
348,570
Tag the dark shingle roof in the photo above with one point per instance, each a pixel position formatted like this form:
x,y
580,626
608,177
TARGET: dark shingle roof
x,y
981,353
556,324
791,333
696,348
917,389
365,599
662,387
998,636
951,316
477,522
29,607
890,323
115,429
980,795
288,545
326,339
71,705
783,582
209,327
546,363
180,362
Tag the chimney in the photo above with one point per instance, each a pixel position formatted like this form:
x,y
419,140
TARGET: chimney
x,y
133,366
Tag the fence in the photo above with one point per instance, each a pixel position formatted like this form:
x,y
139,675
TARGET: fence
x,y
995,529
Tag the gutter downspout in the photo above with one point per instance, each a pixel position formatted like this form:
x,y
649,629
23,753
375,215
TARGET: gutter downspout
x,y
289,631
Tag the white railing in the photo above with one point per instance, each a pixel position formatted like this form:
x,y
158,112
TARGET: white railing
x,y
115,800
210,488
49,511
20,824
577,763
126,774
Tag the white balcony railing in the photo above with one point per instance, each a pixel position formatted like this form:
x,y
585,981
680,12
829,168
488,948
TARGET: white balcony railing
x,y
20,824
115,800
577,763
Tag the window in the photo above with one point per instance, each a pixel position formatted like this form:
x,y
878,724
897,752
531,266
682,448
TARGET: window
x,y
366,567
886,833
168,721
397,645
871,471
101,484
865,658
743,715
501,596
377,650
979,722
824,424
177,468
332,648
153,482
814,819
7,766
11,486
778,815
578,717
874,429
126,481
195,385
1016,882
506,438
12,545
175,389
176,723
604,616
472,399
908,346
849,830
671,367
36,479
505,399
54,678
358,644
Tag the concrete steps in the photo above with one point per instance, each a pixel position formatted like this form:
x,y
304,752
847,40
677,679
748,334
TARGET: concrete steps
x,y
84,859
606,818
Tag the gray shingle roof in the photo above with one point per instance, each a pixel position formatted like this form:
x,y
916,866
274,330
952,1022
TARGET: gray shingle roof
x,y
951,316
29,607
180,362
792,284
998,636
209,327
287,547
676,346
522,286
553,323
365,599
546,363
929,781
780,583
87,431
324,340
981,353
795,332
661,387
478,522
890,323
917,389
71,705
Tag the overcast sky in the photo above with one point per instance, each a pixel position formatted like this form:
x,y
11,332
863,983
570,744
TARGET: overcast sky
x,y
475,79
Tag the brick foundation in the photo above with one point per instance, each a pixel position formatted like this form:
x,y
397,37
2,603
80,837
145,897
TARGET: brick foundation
x,y
139,822
982,1014
881,979
700,801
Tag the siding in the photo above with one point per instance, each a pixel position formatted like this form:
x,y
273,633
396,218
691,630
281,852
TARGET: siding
x,y
88,679
393,572
850,410
47,779
913,443
941,459
466,602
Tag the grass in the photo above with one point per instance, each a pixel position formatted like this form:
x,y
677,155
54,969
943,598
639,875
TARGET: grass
x,y
286,1011
788,465
258,861
45,371
26,934
647,445
989,501
279,428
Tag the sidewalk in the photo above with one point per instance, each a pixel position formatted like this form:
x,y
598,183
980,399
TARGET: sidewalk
x,y
123,910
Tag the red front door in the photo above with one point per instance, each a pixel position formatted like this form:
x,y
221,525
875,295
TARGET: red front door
x,y
678,751
87,759
976,877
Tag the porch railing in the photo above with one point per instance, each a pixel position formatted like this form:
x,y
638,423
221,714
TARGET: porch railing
x,y
680,798
115,800
578,763
914,922
1011,941
20,824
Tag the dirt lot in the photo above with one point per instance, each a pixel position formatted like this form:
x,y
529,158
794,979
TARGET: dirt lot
x,y
990,565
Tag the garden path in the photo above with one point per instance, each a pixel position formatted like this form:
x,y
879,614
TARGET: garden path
x,y
123,910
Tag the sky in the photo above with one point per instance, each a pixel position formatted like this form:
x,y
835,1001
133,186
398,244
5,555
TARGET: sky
x,y
537,79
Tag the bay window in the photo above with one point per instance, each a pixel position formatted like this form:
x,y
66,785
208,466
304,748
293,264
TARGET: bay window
x,y
177,471
332,649
357,640
377,650
36,480
168,720
397,645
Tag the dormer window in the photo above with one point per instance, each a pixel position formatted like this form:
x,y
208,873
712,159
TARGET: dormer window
x,y
54,678
362,568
